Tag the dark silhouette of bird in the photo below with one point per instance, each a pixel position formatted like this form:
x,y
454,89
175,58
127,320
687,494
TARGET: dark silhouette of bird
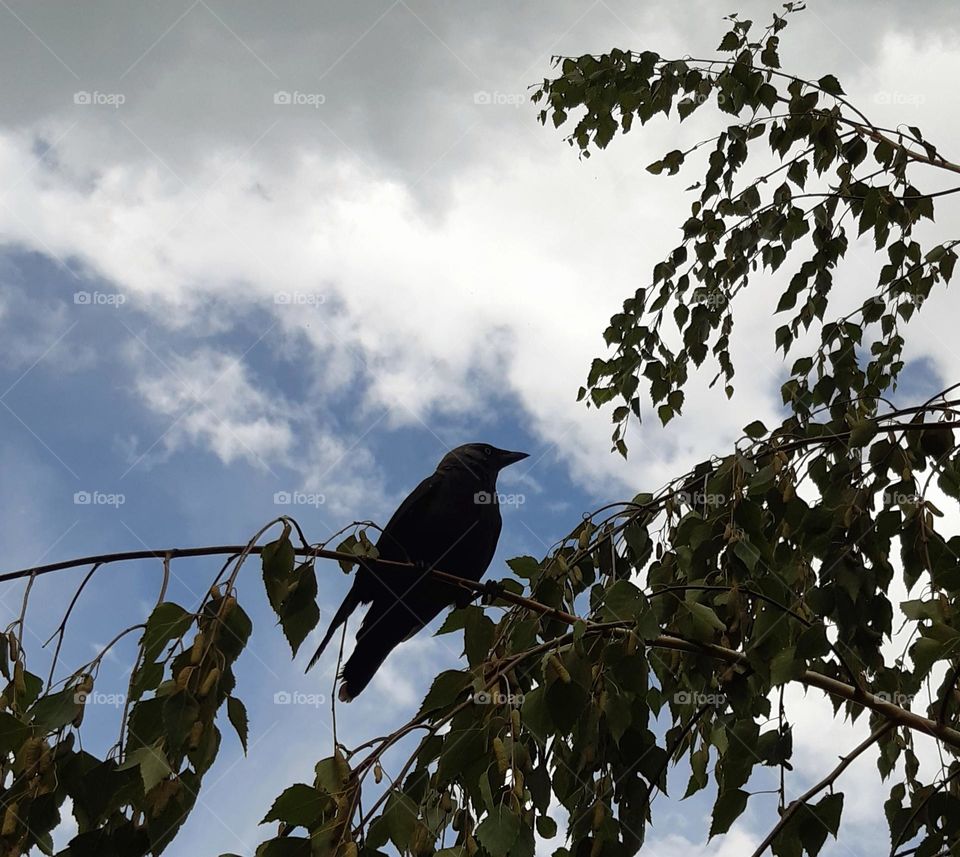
x,y
451,521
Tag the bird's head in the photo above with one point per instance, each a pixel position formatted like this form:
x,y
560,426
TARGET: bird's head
x,y
481,460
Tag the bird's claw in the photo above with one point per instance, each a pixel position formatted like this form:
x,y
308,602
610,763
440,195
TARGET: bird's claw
x,y
492,590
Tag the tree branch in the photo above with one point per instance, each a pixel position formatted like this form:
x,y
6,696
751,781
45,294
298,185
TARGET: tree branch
x,y
831,686
794,807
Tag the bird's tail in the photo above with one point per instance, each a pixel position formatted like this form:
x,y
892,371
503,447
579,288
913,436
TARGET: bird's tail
x,y
372,649
362,665
343,613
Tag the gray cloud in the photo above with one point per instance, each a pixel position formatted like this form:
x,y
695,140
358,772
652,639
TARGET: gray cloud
x,y
397,79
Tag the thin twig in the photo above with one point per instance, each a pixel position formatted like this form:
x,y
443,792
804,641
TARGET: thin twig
x,y
23,611
942,784
62,627
794,807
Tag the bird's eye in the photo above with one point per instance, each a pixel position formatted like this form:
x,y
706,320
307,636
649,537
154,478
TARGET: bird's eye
x,y
487,451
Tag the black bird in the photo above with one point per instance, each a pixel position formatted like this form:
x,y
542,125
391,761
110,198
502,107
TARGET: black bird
x,y
451,521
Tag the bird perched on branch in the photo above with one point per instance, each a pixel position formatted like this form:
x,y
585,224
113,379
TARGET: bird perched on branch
x,y
451,521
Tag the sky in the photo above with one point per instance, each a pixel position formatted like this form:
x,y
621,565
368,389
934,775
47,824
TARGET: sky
x,y
253,251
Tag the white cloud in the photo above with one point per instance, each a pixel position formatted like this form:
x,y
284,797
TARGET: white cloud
x,y
736,843
212,401
430,320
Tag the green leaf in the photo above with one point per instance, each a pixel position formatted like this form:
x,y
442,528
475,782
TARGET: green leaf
x,y
924,652
947,264
237,628
300,805
622,601
785,666
729,42
698,771
546,826
829,84
747,554
536,714
299,613
705,621
401,817
829,810
755,430
813,642
178,713
445,689
862,433
148,677
152,763
567,703
462,748
524,566
168,622
287,846
638,540
277,559
237,714
728,808
818,820
478,636
13,732
456,620
919,609
348,545
499,831
55,710
618,711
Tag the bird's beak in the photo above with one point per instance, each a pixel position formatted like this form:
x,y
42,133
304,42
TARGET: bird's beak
x,y
507,458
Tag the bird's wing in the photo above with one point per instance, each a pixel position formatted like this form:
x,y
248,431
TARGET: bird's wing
x,y
368,583
486,548
409,520
489,545
384,626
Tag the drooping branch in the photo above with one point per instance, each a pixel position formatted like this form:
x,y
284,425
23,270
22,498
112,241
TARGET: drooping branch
x,y
794,807
831,686
944,782
811,678
230,550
